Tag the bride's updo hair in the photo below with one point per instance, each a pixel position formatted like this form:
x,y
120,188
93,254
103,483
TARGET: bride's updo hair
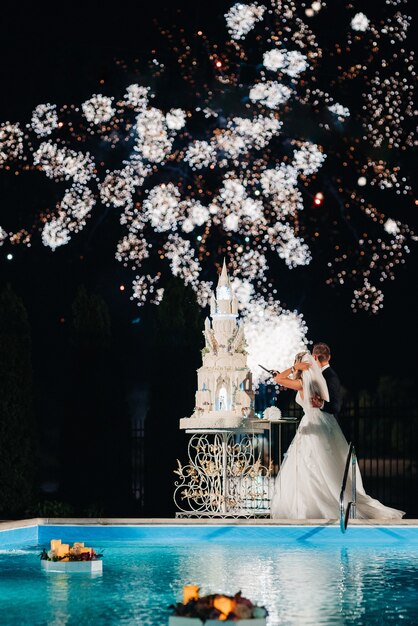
x,y
298,359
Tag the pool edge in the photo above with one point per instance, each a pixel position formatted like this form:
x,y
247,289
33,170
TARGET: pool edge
x,y
163,521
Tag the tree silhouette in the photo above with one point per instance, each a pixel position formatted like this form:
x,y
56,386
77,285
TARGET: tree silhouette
x,y
96,437
18,462
174,358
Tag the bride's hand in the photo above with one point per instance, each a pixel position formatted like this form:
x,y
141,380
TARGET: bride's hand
x,y
302,366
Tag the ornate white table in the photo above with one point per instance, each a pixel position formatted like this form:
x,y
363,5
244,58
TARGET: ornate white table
x,y
229,471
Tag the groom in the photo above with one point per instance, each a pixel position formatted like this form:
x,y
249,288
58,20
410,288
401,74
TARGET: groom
x,y
322,355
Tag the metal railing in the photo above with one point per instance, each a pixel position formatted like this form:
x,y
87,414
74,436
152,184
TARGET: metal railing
x,y
351,506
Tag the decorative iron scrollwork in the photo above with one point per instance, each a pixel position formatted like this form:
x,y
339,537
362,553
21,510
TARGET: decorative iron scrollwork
x,y
225,477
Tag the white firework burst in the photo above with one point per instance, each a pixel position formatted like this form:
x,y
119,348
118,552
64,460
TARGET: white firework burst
x,y
271,93
200,154
11,141
291,62
132,250
144,290
241,18
360,22
44,119
55,233
153,142
64,163
162,207
368,298
98,109
78,202
136,97
175,119
118,187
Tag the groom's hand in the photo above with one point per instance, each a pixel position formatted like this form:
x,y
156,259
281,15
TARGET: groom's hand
x,y
302,366
317,402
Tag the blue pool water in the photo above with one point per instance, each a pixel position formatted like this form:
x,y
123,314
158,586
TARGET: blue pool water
x,y
304,576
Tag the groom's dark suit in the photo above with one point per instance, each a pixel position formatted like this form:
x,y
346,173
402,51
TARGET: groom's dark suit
x,y
334,390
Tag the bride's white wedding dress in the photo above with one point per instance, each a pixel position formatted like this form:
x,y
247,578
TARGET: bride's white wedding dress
x,y
309,482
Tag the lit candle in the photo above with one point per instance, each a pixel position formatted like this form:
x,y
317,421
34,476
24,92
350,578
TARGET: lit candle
x,y
63,549
225,605
55,543
190,592
77,547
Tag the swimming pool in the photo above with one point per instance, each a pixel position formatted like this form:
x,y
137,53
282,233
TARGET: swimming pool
x,y
303,575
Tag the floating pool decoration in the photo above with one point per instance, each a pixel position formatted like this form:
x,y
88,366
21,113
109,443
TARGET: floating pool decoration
x,y
209,610
76,559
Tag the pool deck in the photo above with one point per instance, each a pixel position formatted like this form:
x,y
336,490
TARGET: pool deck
x,y
162,521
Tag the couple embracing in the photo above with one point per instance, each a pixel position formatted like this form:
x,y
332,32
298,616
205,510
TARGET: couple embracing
x,y
309,482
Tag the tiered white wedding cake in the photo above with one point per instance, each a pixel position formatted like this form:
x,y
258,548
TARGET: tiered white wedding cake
x,y
225,398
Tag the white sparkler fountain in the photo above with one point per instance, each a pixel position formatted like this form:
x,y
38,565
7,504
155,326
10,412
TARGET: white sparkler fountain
x,y
228,473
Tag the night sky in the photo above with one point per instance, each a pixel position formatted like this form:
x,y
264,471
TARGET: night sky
x,y
61,58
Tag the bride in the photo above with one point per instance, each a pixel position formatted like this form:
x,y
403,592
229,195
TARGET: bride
x,y
309,482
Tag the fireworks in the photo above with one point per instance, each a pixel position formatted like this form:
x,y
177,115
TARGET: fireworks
x,y
98,109
11,142
3,235
132,250
175,119
153,142
270,93
63,163
182,260
118,187
270,164
162,207
44,119
360,22
391,227
55,234
241,19
77,204
290,63
136,97
144,290
200,154
368,298
340,111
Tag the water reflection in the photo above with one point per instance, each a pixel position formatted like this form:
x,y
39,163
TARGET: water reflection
x,y
57,592
301,584
304,585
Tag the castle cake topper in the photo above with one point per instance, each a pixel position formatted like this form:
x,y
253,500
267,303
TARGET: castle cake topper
x,y
225,397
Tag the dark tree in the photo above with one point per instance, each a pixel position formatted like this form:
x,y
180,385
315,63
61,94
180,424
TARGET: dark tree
x,y
18,461
174,357
96,436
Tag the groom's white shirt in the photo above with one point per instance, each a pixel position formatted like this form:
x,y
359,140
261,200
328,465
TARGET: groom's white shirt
x,y
322,369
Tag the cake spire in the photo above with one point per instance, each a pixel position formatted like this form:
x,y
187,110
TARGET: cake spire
x,y
224,294
223,277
